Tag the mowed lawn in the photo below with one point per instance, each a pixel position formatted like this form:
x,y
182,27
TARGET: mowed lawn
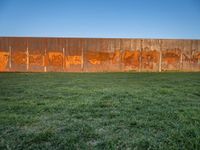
x,y
100,111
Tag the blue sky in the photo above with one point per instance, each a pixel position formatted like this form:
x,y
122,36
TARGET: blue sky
x,y
101,18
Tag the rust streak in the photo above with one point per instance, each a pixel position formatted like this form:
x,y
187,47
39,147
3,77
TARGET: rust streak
x,y
3,60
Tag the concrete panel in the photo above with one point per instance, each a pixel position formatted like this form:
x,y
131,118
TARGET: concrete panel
x,y
36,52
171,55
54,54
18,54
4,55
73,50
150,60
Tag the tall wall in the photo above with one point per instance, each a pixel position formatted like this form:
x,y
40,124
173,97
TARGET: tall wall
x,y
22,54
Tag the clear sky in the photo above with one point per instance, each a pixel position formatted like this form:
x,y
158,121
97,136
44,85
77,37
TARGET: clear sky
x,y
101,18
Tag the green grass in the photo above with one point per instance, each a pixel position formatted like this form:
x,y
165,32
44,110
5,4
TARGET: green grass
x,y
100,111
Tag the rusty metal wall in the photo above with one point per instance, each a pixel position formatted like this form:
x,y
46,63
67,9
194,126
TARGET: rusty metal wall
x,y
30,54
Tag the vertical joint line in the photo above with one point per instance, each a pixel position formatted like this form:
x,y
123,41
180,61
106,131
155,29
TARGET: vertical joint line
x,y
140,61
27,59
160,61
45,68
82,58
181,60
63,59
10,57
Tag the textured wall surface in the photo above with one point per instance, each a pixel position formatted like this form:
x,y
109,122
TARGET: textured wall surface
x,y
32,54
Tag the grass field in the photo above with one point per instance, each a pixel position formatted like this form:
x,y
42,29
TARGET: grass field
x,y
100,111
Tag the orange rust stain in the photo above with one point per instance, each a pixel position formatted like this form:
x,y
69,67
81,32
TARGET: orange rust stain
x,y
36,59
73,60
127,57
196,57
149,58
131,58
186,58
171,59
116,57
55,59
3,60
97,58
19,57
94,61
171,56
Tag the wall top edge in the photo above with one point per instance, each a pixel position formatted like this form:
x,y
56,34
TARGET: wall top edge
x,y
35,37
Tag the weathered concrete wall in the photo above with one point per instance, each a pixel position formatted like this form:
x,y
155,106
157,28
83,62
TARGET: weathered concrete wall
x,y
97,55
